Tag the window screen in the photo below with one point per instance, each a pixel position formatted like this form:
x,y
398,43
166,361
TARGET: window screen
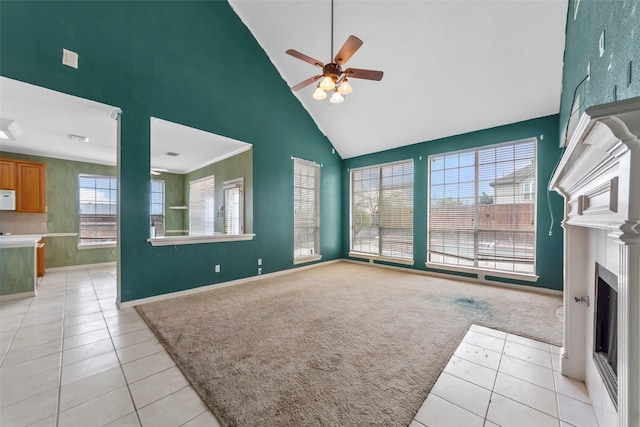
x,y
98,208
482,208
202,206
306,208
382,210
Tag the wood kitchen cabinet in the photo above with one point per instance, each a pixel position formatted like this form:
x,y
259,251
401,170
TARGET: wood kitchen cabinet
x,y
40,258
30,188
28,180
7,175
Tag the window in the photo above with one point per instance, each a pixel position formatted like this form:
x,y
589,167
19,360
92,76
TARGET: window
x,y
202,206
482,208
98,197
156,206
234,206
306,209
528,191
382,210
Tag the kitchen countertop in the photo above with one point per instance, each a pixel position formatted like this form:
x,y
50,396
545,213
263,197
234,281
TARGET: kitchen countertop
x,y
20,240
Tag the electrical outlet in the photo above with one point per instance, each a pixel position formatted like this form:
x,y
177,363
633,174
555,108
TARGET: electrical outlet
x,y
601,43
259,271
259,261
217,268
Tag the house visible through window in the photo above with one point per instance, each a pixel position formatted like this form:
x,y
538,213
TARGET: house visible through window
x,y
482,208
98,198
306,209
382,210
202,206
156,206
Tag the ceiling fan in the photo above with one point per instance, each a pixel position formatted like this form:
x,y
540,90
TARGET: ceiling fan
x,y
334,78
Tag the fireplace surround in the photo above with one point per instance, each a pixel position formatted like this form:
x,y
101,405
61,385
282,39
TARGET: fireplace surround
x,y
599,178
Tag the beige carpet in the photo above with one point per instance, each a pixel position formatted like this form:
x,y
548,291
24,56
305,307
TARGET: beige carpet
x,y
337,345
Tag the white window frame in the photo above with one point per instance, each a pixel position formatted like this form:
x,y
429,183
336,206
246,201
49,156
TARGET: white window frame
x,y
482,271
237,221
311,225
204,225
87,242
160,232
528,191
372,256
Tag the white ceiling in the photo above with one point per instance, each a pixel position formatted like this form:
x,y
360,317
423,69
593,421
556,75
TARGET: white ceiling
x,y
450,67
45,119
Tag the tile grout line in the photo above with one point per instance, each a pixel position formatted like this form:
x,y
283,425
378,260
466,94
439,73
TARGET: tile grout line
x,y
15,333
64,316
133,403
493,387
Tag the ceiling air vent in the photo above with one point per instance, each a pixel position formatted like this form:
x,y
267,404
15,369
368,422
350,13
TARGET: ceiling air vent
x,y
79,138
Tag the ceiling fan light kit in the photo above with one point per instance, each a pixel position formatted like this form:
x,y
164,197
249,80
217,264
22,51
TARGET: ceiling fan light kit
x,y
333,78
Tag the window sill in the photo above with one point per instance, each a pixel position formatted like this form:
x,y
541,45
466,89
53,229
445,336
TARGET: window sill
x,y
373,258
192,240
482,272
307,259
82,246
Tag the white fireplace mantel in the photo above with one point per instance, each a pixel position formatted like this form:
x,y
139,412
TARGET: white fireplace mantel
x,y
599,178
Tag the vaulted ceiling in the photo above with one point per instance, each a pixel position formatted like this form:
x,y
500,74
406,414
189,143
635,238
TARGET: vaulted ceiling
x,y
450,67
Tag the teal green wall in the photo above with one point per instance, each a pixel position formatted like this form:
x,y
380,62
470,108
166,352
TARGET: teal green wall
x,y
193,63
609,80
548,248
62,210
238,166
17,270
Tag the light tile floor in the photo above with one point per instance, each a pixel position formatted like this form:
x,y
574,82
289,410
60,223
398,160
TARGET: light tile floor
x,y
69,357
499,379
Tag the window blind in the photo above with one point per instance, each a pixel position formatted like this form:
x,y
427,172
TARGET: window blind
x,y
482,207
98,209
156,206
306,208
234,206
382,210
202,206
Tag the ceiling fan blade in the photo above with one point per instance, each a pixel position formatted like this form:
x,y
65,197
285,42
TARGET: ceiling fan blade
x,y
357,73
306,82
347,50
304,57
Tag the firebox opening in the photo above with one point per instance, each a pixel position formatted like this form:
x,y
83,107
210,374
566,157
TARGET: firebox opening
x,y
605,352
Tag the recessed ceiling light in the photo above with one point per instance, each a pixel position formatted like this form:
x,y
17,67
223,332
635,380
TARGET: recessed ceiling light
x,y
171,153
9,130
78,138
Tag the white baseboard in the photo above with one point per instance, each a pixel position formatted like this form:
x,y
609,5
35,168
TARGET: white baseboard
x,y
462,278
81,266
204,288
17,296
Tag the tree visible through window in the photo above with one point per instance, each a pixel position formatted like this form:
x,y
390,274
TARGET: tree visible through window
x,y
382,210
482,208
98,209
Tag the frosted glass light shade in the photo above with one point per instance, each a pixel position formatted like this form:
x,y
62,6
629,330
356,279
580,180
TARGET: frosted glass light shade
x,y
336,98
327,83
319,94
345,88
